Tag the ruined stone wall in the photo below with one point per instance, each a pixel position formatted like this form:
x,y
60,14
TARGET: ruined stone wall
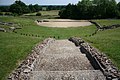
x,y
105,64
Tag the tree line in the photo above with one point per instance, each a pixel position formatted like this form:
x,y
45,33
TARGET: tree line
x,y
91,9
19,8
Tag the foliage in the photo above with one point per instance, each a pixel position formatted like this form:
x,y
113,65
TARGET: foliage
x,y
108,41
69,12
38,14
15,47
1,13
19,8
118,6
34,8
54,7
87,9
8,13
4,8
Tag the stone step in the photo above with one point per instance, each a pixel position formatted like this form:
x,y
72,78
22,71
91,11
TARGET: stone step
x,y
62,46
61,50
64,43
64,63
67,75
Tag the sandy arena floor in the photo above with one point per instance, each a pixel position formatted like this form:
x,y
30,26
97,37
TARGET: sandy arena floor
x,y
63,23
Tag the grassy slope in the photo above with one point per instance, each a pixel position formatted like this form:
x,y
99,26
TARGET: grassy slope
x,y
108,22
30,27
108,41
52,12
15,47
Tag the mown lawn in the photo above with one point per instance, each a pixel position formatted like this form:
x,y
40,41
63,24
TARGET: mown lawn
x,y
44,14
15,47
108,41
108,22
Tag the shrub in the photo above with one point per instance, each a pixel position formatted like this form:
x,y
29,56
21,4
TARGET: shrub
x,y
8,13
1,13
38,14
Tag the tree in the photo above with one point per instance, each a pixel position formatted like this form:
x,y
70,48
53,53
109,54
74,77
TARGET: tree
x,y
69,12
112,9
16,9
37,8
84,7
31,7
118,7
19,8
91,9
4,8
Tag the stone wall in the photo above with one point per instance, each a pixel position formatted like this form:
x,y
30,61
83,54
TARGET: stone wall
x,y
105,27
23,71
105,64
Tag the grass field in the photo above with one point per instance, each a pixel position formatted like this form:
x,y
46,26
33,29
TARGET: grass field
x,y
45,14
15,47
108,41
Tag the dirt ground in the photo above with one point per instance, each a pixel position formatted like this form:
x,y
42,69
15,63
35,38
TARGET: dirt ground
x,y
65,23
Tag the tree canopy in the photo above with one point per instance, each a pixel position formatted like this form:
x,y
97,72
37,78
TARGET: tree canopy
x,y
20,8
91,9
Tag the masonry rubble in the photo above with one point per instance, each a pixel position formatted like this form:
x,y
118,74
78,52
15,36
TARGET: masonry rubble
x,y
107,67
24,69
2,29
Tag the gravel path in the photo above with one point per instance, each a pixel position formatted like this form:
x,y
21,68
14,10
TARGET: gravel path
x,y
62,60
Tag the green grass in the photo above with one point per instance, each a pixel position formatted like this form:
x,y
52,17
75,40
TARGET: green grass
x,y
44,14
30,27
108,22
15,47
108,41
51,13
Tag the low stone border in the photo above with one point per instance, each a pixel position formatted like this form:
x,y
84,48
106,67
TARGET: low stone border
x,y
105,27
102,28
24,69
12,26
2,30
105,64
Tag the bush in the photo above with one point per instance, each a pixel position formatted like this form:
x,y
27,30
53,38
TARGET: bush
x,y
38,14
1,13
8,13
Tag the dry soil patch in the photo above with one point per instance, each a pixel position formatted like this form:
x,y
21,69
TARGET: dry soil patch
x,y
65,23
